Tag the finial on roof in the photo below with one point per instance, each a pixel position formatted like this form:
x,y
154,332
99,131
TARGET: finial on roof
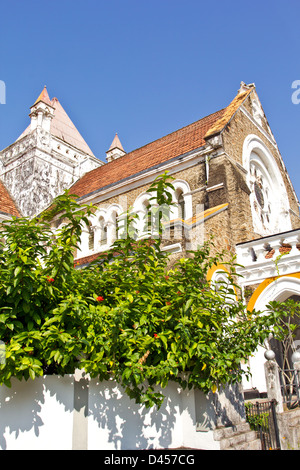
x,y
44,96
42,112
116,143
244,87
115,150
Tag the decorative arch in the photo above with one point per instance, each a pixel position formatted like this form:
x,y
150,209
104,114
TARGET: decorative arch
x,y
182,199
274,289
99,220
219,274
141,200
142,207
112,210
268,198
114,227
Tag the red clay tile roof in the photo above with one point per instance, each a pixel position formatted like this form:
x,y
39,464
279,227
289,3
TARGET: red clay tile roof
x,y
172,145
7,204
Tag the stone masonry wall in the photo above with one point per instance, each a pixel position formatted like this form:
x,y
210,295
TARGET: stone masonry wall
x,y
233,138
235,225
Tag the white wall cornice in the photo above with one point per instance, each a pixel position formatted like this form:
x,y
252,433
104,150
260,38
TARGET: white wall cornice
x,y
172,166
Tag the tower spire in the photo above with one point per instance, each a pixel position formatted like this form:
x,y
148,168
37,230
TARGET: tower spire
x,y
44,97
42,111
115,150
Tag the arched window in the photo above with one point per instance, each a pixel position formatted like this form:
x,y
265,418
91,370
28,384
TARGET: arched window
x,y
116,227
180,203
147,217
91,237
103,232
268,198
261,193
182,200
142,207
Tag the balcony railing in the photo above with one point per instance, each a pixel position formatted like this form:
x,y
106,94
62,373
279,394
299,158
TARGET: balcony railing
x,y
269,256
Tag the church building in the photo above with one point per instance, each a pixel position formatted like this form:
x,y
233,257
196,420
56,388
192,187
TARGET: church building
x,y
229,177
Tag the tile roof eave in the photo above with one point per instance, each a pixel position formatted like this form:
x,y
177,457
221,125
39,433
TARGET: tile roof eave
x,y
152,155
9,215
128,178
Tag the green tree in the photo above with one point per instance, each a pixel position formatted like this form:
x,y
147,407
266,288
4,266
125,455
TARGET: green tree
x,y
127,316
286,327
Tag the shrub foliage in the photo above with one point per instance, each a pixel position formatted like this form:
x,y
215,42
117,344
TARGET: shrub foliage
x,y
127,316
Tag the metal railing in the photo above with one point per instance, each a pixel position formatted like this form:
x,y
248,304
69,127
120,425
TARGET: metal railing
x,y
261,417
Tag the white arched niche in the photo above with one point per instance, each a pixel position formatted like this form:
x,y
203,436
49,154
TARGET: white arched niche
x,y
268,198
279,290
114,224
182,207
220,280
100,224
106,221
142,207
87,239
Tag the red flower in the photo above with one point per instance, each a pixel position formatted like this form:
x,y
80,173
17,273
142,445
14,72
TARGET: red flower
x,y
168,303
100,298
155,335
50,279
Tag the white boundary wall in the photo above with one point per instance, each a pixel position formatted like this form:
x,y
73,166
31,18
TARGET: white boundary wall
x,y
74,412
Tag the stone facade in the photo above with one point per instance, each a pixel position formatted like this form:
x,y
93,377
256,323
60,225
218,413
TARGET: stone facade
x,y
229,178
215,174
40,165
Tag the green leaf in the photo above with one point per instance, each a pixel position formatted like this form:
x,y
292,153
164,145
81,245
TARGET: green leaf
x,y
127,373
164,340
17,270
26,307
8,290
129,297
188,304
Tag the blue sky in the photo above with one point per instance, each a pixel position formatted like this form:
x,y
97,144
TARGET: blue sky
x,y
146,68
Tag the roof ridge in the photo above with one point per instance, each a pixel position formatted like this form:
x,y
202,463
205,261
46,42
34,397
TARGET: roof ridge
x,y
230,111
177,143
173,132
